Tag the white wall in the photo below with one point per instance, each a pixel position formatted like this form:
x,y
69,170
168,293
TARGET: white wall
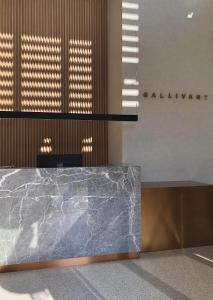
x,y
174,138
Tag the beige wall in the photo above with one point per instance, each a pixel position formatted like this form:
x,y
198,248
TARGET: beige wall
x,y
173,139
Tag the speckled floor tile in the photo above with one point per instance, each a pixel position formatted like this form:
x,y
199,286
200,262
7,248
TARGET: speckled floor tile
x,y
179,275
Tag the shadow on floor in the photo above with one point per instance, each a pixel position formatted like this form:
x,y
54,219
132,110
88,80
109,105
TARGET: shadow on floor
x,y
57,284
156,282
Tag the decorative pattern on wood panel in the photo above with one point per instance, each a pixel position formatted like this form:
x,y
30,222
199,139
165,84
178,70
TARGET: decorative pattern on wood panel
x,y
40,74
56,61
80,76
6,72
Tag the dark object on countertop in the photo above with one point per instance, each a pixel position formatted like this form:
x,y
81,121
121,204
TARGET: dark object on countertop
x,y
59,161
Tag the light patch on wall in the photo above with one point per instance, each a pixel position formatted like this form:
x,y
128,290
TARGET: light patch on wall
x,y
46,146
130,92
41,39
6,72
130,104
130,49
130,60
190,16
130,5
129,27
130,38
41,74
130,16
131,82
80,77
87,145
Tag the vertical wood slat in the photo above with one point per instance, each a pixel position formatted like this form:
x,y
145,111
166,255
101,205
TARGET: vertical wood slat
x,y
21,140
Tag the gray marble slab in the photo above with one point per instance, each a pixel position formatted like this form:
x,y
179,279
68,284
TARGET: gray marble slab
x,y
48,214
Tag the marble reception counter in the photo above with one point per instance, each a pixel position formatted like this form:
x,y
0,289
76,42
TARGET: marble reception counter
x,y
52,214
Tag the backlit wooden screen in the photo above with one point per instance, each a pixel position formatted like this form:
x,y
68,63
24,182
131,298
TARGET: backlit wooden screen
x,y
53,59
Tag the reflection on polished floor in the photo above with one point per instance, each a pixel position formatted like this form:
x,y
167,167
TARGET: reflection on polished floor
x,y
176,274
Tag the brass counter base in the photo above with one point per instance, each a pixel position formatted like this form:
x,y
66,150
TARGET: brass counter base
x,y
68,262
176,215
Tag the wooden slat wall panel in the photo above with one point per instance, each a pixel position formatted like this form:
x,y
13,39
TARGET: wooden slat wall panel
x,y
37,27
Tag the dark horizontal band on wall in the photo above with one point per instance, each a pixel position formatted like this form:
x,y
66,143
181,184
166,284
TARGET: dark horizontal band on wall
x,y
66,116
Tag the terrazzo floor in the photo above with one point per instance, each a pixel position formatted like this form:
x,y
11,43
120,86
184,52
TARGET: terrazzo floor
x,y
179,274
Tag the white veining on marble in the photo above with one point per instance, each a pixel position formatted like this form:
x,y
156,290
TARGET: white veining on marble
x,y
62,213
